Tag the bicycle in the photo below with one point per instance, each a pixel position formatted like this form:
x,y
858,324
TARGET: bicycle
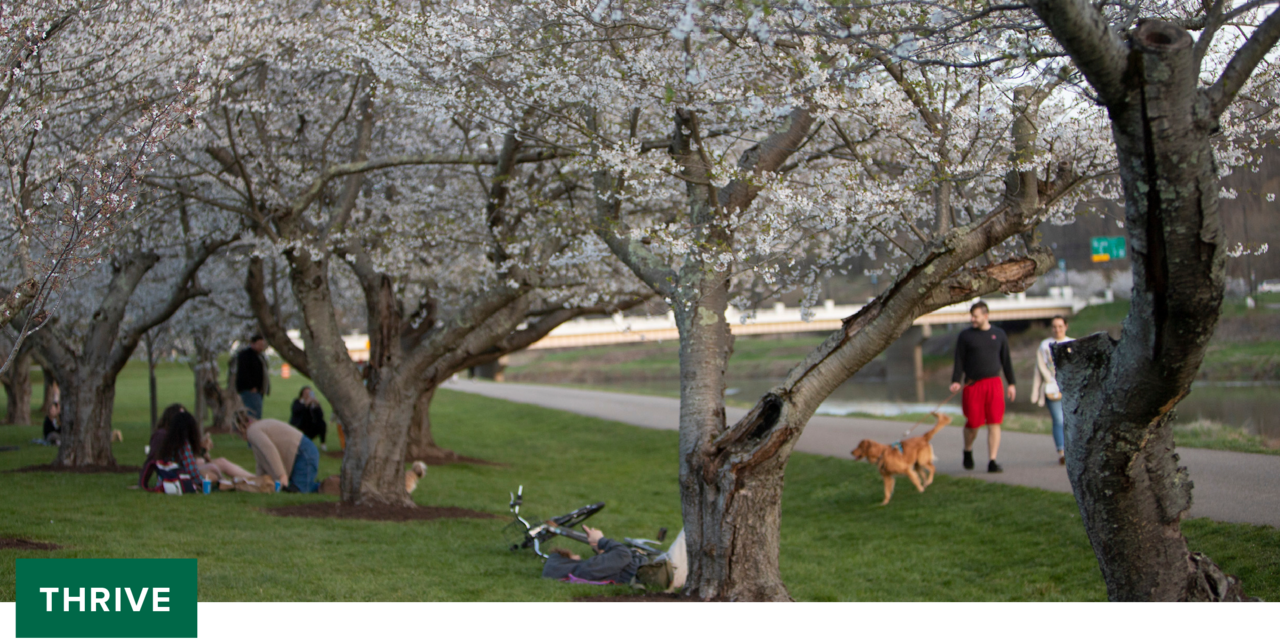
x,y
535,534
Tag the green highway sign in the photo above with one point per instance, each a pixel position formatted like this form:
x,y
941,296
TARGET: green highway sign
x,y
1107,248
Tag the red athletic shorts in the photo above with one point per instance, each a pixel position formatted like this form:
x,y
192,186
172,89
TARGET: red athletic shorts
x,y
983,403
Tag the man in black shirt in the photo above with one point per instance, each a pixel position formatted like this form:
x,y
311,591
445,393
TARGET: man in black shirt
x,y
981,353
252,378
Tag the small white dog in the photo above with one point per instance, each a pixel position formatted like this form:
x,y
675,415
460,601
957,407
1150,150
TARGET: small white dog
x,y
411,478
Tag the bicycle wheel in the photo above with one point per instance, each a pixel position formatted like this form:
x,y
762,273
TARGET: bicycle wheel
x,y
515,535
578,516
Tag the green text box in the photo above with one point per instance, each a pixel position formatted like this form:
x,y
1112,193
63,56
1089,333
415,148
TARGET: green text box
x,y
114,603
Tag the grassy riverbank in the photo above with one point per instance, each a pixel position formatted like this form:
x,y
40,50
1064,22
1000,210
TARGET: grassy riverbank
x,y
963,539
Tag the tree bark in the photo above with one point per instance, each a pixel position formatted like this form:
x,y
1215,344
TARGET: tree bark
x,y
17,390
1118,395
88,397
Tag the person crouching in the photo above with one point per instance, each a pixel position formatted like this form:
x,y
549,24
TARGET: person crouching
x,y
281,452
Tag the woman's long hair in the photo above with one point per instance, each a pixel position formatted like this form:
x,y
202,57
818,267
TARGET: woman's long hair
x,y
167,417
182,430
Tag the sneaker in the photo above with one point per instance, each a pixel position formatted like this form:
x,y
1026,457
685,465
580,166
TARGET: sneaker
x,y
992,467
968,460
324,447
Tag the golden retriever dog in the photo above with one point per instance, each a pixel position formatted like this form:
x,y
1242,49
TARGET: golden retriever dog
x,y
908,457
412,477
117,436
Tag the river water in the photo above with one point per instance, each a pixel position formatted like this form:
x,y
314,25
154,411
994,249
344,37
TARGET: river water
x,y
1251,406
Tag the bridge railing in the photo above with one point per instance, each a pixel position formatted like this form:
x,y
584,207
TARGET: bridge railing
x,y
779,318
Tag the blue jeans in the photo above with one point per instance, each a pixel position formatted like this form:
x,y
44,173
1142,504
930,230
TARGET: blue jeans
x,y
1055,410
253,402
305,467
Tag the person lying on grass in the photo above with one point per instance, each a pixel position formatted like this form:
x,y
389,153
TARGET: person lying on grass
x,y
281,452
614,562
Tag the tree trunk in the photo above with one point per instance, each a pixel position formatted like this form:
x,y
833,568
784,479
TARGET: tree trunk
x,y
221,402
420,443
373,461
17,390
151,378
732,511
88,397
52,391
1118,395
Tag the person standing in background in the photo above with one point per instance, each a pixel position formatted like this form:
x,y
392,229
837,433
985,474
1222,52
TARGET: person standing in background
x,y
1044,386
253,379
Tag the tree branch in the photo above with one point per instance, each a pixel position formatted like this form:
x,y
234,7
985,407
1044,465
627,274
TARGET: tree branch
x,y
184,288
17,300
1246,59
275,333
766,157
1095,47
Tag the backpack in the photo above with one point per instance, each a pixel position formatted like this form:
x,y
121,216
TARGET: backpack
x,y
174,480
144,478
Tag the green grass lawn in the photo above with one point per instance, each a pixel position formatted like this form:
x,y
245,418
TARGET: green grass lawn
x,y
964,539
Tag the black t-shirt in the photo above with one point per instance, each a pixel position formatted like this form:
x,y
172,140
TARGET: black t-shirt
x,y
982,354
248,370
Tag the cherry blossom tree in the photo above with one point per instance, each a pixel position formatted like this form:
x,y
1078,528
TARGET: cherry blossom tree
x,y
92,89
427,216
78,126
719,149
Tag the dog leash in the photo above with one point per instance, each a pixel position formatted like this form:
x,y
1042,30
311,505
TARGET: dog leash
x,y
935,410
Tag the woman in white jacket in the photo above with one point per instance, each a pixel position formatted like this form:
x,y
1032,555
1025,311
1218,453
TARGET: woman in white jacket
x,y
1044,388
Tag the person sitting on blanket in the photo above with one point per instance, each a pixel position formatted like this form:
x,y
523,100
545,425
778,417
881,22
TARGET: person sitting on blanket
x,y
212,468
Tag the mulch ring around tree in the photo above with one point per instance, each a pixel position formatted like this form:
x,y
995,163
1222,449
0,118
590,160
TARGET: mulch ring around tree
x,y
46,468
645,596
433,461
383,513
27,545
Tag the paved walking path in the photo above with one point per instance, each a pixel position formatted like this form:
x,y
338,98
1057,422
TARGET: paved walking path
x,y
1229,486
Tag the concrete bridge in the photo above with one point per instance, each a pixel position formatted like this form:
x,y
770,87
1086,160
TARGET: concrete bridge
x,y
621,329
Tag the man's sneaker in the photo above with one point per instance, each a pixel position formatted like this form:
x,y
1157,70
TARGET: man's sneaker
x,y
968,460
992,467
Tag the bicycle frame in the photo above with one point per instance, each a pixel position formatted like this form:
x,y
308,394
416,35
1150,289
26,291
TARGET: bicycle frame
x,y
536,534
